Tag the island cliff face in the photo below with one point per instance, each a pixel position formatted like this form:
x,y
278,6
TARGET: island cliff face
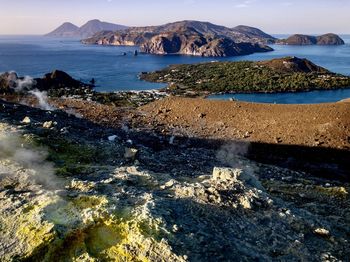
x,y
298,39
191,42
188,38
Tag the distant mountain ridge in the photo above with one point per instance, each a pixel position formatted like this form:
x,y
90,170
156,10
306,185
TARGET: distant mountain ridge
x,y
238,34
87,30
188,38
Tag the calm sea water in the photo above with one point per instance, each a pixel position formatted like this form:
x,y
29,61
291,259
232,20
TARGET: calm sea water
x,y
35,56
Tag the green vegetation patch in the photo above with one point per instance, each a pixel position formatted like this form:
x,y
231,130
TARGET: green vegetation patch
x,y
246,76
71,158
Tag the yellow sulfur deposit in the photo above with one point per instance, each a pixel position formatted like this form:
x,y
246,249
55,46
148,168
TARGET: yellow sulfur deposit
x,y
83,230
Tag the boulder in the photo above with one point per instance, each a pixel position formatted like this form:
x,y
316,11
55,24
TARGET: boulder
x,y
48,124
26,120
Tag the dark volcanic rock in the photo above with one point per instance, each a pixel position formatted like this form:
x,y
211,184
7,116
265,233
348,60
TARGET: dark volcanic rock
x,y
57,83
57,79
327,39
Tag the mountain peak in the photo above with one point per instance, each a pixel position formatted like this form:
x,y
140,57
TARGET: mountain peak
x,y
294,64
206,28
67,29
69,24
94,21
91,27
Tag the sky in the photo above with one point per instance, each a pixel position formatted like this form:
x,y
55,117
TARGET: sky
x,y
272,16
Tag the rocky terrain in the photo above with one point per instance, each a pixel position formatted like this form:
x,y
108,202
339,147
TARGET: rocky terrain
x,y
298,39
87,30
177,179
277,75
188,38
91,182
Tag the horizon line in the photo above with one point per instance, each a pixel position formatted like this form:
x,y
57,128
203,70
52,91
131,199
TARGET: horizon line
x,y
312,34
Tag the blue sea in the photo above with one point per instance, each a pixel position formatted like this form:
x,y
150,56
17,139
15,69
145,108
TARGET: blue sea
x,y
37,55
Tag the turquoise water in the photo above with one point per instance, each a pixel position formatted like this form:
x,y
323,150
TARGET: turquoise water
x,y
35,56
312,97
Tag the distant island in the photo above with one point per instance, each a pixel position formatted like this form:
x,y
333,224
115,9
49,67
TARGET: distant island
x,y
277,75
87,30
189,38
326,39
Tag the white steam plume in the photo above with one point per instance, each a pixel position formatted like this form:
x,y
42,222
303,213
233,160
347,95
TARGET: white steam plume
x,y
42,99
24,84
32,162
230,153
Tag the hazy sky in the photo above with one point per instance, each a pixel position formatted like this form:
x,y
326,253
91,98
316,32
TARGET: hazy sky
x,y
273,16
